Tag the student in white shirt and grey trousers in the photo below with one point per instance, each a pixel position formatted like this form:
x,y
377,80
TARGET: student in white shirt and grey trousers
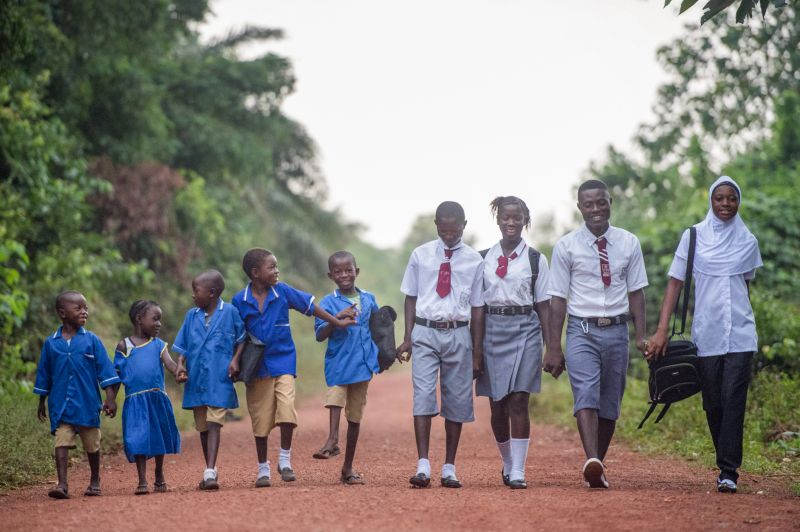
x,y
597,276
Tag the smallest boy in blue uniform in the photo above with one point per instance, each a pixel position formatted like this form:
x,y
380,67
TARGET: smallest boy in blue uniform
x,y
73,364
210,333
352,357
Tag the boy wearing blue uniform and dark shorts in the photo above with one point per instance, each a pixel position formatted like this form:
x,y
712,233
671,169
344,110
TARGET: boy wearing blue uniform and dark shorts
x,y
352,357
206,342
597,276
264,307
73,364
443,284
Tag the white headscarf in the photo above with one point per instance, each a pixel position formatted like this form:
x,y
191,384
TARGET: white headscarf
x,y
725,248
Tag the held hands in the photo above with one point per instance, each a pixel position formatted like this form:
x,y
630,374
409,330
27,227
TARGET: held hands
x,y
349,312
404,351
110,407
477,363
181,375
554,362
656,346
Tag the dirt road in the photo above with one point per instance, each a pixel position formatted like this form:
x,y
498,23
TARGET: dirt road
x,y
647,493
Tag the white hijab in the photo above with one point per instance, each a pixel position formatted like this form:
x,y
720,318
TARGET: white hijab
x,y
725,248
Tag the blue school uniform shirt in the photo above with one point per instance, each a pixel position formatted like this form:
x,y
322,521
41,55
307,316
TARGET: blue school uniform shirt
x,y
71,374
351,356
208,350
271,325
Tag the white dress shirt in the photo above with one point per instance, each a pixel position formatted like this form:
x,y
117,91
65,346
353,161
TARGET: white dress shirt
x,y
515,288
575,272
723,320
466,281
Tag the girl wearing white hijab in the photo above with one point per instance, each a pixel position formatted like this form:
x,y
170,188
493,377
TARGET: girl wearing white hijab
x,y
723,326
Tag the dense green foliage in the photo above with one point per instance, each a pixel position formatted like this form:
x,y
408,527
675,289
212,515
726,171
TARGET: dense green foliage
x,y
744,11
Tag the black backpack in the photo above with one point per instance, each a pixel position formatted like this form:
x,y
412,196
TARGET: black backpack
x,y
533,257
676,375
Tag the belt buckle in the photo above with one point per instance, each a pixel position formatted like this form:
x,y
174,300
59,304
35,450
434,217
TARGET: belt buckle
x,y
504,311
603,322
442,325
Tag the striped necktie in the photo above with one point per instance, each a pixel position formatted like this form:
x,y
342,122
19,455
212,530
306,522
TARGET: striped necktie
x,y
605,268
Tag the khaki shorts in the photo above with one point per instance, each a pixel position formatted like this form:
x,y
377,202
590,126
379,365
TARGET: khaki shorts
x,y
90,437
351,397
203,415
270,402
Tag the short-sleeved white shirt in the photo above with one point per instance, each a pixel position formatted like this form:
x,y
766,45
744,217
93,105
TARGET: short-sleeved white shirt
x,y
723,320
515,288
466,281
575,272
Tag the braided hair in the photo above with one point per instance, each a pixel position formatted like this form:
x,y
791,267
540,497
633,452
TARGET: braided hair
x,y
139,307
502,201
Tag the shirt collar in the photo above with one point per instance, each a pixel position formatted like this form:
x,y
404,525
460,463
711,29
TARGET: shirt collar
x,y
441,245
591,239
219,307
247,292
57,334
336,293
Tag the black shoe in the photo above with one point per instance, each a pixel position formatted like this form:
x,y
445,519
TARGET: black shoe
x,y
517,484
287,475
263,482
451,482
726,486
420,480
505,478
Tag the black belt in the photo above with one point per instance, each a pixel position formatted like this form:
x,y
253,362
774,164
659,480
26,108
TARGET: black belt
x,y
605,322
440,324
509,311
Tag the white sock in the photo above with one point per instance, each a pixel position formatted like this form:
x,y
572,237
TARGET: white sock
x,y
285,459
263,469
505,454
449,470
209,474
424,466
519,455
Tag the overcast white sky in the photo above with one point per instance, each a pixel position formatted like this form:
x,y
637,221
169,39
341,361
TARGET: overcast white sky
x,y
415,102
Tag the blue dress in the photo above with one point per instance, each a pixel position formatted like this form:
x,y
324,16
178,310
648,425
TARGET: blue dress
x,y
148,422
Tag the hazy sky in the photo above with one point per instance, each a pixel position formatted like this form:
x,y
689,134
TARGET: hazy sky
x,y
415,102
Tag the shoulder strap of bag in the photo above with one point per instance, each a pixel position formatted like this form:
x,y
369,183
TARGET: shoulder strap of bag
x,y
533,256
652,408
663,412
687,284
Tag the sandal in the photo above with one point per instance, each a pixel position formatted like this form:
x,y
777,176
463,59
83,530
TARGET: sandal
x,y
325,453
141,490
92,491
160,487
352,479
59,492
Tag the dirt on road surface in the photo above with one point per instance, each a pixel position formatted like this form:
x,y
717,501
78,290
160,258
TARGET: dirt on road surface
x,y
647,493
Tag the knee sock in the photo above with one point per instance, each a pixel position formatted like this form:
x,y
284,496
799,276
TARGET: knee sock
x,y
449,470
505,454
424,466
263,469
285,459
519,455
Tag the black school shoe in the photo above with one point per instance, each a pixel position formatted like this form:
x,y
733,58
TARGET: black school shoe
x,y
726,485
517,484
451,482
506,480
287,475
420,480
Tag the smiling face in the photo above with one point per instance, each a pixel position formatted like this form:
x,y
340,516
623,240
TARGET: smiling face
x,y
724,202
450,229
343,272
511,220
150,322
73,311
266,273
595,207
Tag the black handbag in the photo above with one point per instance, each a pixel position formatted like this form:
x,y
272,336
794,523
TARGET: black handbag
x,y
381,328
676,375
251,360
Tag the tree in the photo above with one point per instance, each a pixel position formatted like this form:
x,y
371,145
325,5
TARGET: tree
x,y
745,10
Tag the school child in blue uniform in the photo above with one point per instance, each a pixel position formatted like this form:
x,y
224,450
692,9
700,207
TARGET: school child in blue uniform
x,y
206,341
264,306
148,422
352,357
73,364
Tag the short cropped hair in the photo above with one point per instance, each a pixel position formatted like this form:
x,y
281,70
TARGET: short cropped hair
x,y
341,255
212,278
502,201
254,258
450,209
592,184
139,307
65,295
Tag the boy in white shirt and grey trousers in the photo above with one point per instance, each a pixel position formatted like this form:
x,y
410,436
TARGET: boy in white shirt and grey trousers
x,y
597,276
444,322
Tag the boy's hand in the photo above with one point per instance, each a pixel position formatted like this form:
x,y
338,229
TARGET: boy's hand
x,y
656,346
477,363
349,312
42,410
233,369
554,362
181,376
345,322
110,407
404,351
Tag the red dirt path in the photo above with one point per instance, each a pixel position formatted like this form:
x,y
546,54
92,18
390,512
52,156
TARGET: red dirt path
x,y
647,492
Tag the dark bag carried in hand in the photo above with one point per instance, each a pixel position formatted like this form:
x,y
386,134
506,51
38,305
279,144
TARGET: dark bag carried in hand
x,y
676,375
381,327
251,360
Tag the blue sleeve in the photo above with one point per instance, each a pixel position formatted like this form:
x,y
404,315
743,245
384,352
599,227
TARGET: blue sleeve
x,y
43,376
299,300
106,374
327,305
238,328
180,345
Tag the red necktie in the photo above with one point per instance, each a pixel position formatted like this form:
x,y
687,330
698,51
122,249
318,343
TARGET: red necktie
x,y
605,268
502,264
443,283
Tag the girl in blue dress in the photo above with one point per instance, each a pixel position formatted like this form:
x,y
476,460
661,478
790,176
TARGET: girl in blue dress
x,y
148,422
